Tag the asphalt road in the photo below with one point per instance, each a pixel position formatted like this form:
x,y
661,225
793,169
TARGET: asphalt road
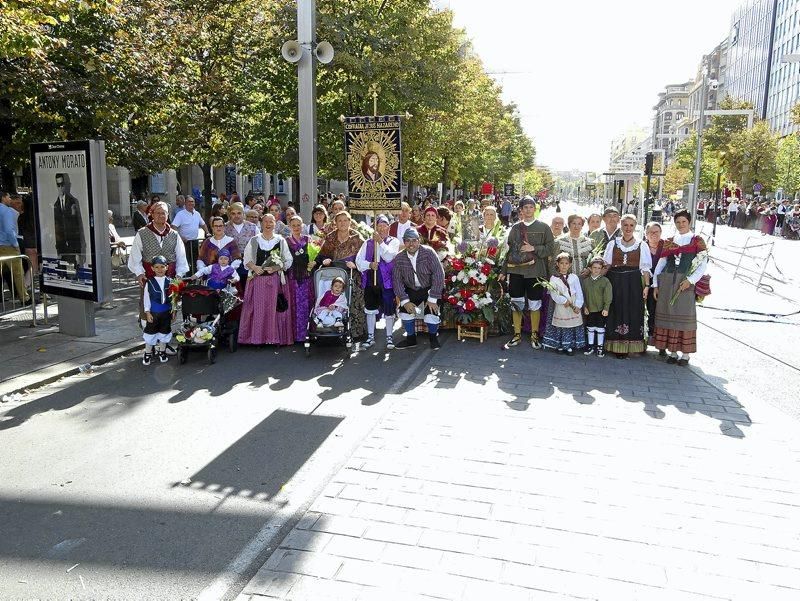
x,y
161,482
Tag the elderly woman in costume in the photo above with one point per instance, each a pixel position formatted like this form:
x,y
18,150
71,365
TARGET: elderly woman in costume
x,y
209,250
266,257
241,231
342,246
374,261
683,262
491,227
652,234
280,227
300,281
629,273
576,245
431,234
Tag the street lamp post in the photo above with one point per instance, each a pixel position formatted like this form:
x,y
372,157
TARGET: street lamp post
x,y
699,153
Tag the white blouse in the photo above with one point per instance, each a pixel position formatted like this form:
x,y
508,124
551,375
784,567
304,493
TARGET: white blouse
x,y
681,240
645,260
268,245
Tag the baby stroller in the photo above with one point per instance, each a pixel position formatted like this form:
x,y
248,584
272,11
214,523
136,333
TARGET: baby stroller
x,y
207,322
322,283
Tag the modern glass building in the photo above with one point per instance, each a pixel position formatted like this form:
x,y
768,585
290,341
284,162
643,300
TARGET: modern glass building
x,y
784,79
762,33
749,44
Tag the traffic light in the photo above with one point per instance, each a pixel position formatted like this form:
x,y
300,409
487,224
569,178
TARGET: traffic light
x,y
648,164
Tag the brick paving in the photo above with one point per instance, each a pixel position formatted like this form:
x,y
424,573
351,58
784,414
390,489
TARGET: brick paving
x,y
521,475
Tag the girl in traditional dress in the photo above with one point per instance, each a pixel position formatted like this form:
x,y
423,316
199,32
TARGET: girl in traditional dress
x,y
675,277
262,322
564,331
629,273
300,281
342,245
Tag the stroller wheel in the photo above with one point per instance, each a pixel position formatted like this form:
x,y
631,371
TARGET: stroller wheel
x,y
212,355
182,355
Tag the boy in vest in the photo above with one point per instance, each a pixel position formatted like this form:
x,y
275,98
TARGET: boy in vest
x,y
158,312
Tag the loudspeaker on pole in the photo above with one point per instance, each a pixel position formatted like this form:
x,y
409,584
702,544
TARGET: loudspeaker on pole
x,y
324,52
292,51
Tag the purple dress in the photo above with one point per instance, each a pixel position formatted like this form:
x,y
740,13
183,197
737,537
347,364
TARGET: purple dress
x,y
301,284
261,322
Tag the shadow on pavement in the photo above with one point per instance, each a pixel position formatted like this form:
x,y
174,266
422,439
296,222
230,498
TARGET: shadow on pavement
x,y
525,377
263,460
127,384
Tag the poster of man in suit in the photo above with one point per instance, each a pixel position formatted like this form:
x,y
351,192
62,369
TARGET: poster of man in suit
x,y
63,193
70,238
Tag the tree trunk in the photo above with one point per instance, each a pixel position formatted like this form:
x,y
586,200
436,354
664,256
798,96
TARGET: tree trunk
x,y
445,175
206,169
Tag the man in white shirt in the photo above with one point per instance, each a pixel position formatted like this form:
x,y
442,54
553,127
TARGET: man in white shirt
x,y
189,223
733,208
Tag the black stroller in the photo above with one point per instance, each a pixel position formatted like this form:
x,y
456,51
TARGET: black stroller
x,y
329,334
208,322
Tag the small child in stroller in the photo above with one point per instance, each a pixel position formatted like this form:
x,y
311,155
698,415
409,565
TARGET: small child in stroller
x,y
331,308
220,273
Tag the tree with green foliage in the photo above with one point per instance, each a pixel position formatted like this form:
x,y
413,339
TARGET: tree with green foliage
x,y
709,168
751,157
787,165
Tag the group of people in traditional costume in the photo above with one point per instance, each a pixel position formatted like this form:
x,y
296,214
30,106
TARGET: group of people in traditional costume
x,y
605,291
608,291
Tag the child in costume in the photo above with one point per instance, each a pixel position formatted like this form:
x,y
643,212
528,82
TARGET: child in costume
x,y
220,273
565,332
331,308
158,312
597,300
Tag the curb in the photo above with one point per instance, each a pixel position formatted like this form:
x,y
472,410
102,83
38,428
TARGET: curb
x,y
48,375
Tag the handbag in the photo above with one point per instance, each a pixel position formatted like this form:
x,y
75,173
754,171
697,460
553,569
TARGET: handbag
x,y
281,304
703,286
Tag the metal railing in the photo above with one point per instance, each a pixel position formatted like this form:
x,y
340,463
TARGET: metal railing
x,y
10,303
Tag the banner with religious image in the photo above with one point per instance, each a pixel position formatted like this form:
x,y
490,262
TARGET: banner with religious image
x,y
374,160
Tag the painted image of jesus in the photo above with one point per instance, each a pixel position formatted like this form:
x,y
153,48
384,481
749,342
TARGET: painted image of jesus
x,y
370,167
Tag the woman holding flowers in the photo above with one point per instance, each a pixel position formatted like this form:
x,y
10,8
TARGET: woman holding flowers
x,y
266,257
342,246
301,283
629,273
683,262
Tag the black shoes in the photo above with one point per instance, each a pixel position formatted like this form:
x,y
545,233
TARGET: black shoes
x,y
672,360
683,362
407,342
434,338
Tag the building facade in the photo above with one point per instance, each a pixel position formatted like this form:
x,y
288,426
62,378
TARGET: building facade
x,y
671,109
784,79
749,44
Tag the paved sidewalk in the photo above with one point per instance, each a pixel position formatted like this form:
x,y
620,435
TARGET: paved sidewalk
x,y
33,356
524,475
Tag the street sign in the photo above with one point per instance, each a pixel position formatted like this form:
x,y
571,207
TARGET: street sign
x,y
757,187
487,188
508,189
